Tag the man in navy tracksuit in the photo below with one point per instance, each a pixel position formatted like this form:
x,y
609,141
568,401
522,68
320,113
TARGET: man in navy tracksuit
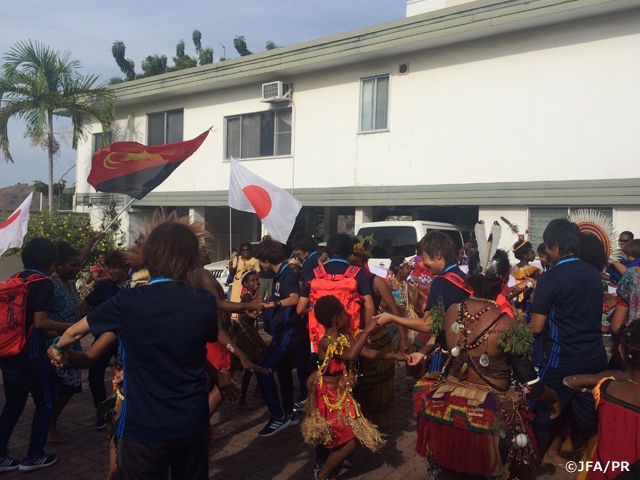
x,y
567,311
287,331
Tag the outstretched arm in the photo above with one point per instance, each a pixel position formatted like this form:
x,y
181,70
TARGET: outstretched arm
x,y
417,324
225,340
86,250
384,291
584,382
86,359
205,280
372,354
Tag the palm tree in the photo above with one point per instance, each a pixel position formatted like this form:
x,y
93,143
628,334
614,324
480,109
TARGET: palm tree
x,y
38,83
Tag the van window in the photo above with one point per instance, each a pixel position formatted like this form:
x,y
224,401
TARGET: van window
x,y
391,241
454,234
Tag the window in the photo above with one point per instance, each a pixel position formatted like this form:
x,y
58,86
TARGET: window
x,y
264,134
374,104
97,141
165,127
539,218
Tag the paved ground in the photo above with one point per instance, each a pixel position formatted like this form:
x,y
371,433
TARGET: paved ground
x,y
236,450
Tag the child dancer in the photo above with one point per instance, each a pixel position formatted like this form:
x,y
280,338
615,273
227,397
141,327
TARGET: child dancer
x,y
333,417
244,331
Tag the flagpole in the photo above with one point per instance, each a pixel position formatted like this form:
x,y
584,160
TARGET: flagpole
x,y
230,239
119,213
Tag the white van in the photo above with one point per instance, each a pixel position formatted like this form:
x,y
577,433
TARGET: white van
x,y
393,239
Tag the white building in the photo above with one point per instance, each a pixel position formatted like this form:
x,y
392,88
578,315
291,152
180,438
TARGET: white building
x,y
523,109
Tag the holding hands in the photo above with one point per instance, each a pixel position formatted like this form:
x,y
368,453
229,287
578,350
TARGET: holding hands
x,y
383,318
57,358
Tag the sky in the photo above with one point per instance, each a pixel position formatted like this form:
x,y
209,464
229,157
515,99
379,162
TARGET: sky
x,y
88,29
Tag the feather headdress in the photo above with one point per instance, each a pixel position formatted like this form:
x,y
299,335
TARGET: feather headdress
x,y
595,223
487,246
134,256
515,229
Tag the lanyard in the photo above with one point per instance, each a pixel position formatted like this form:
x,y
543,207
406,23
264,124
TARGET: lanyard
x,y
566,260
284,265
337,260
34,270
448,267
160,280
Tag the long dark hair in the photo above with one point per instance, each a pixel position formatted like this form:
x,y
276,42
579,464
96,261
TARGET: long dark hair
x,y
487,282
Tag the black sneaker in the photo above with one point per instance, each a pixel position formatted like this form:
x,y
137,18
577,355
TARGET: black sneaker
x,y
273,426
36,463
7,463
100,424
298,406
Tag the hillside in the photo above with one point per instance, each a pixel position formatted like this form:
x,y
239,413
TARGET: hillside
x,y
12,197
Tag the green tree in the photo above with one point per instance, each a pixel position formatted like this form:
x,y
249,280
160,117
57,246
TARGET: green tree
x,y
157,64
127,66
38,83
154,65
43,188
205,55
182,60
271,45
241,46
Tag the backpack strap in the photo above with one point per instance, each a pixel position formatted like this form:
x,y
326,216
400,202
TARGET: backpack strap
x,y
319,271
352,271
458,281
34,277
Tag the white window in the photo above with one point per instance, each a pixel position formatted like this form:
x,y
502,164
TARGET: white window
x,y
374,103
539,218
263,134
97,141
165,127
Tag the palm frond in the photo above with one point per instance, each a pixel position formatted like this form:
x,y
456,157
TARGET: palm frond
x,y
36,80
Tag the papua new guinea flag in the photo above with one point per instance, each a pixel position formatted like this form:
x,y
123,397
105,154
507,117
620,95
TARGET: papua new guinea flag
x,y
135,169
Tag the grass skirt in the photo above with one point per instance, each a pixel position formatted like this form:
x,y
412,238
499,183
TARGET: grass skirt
x,y
471,428
333,427
376,389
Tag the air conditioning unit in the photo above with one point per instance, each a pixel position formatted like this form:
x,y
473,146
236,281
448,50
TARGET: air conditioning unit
x,y
276,91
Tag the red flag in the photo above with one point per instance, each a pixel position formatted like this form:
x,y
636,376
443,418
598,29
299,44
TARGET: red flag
x,y
135,169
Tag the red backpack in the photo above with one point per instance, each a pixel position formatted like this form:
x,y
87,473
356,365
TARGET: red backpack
x,y
342,286
13,313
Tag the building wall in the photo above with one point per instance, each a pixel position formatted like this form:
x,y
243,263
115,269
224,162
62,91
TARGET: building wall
x,y
556,103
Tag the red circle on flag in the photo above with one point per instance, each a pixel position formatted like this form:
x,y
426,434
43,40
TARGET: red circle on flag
x,y
259,198
10,220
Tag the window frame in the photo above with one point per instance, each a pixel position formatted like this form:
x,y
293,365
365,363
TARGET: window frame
x,y
362,80
164,129
227,156
95,150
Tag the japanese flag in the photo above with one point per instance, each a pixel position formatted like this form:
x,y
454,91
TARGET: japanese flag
x,y
276,208
13,230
